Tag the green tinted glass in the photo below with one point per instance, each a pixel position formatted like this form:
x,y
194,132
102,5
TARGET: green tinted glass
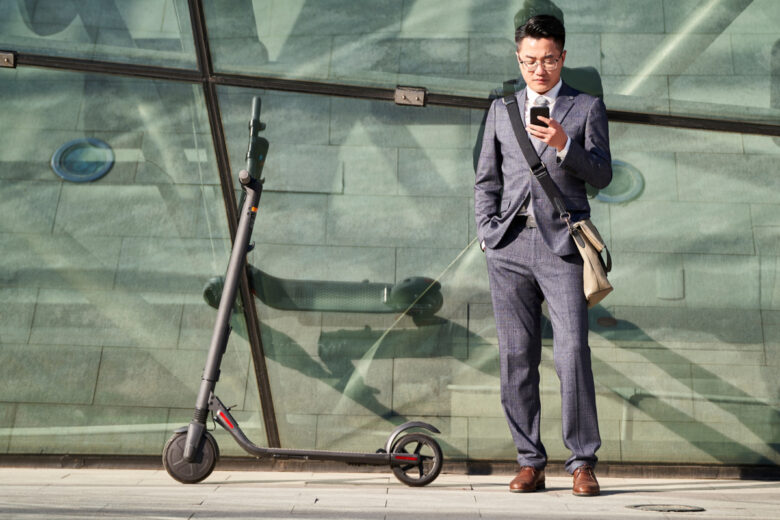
x,y
705,59
367,203
104,327
148,32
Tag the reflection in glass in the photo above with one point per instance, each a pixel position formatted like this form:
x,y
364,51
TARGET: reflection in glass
x,y
127,31
359,190
103,332
683,58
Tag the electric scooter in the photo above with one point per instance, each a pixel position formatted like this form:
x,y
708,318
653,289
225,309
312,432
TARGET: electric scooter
x,y
191,453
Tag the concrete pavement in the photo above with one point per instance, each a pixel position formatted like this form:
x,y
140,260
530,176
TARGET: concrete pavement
x,y
46,493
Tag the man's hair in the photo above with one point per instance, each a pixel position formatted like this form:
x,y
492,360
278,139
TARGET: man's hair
x,y
542,26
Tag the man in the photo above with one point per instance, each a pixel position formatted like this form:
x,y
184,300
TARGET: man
x,y
532,258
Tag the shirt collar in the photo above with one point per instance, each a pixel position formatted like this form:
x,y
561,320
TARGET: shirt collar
x,y
550,94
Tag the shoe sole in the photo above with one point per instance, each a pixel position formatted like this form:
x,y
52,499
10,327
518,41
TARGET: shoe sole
x,y
539,486
597,493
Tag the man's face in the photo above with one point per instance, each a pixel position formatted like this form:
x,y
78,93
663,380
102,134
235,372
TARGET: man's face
x,y
539,51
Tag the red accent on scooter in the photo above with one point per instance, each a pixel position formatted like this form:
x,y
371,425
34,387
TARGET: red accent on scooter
x,y
402,457
224,418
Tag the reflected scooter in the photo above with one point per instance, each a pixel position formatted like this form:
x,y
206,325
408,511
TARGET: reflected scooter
x,y
191,453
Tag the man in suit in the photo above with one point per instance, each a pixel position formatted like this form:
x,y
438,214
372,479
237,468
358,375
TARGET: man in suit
x,y
532,258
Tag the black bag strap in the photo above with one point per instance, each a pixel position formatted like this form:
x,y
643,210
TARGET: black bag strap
x,y
538,169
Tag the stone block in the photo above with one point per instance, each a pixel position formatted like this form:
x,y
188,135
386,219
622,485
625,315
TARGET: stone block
x,y
709,228
169,158
436,172
365,123
173,265
659,173
372,58
650,139
361,387
197,325
305,168
749,386
423,386
767,240
770,272
163,377
397,221
70,373
491,54
54,109
635,54
18,306
721,17
114,430
706,95
689,328
369,170
738,281
632,16
646,279
623,92
78,317
326,263
440,56
489,439
292,218
26,210
59,261
694,442
7,412
146,211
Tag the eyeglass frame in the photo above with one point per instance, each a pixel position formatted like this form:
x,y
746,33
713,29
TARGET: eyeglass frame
x,y
537,62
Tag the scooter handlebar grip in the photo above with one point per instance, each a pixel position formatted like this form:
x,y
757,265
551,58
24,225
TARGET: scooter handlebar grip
x,y
256,103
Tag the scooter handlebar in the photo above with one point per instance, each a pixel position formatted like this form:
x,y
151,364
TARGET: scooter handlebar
x,y
258,147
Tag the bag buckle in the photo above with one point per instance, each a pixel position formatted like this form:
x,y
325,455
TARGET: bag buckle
x,y
540,171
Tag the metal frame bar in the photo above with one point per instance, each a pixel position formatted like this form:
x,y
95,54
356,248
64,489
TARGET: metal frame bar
x,y
200,34
373,93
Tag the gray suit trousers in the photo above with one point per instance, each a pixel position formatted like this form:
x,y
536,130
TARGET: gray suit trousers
x,y
523,273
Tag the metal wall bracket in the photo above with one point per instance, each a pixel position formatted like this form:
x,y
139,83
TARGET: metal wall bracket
x,y
8,59
414,96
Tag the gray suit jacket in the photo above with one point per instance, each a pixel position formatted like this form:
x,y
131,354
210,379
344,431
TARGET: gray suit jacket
x,y
504,182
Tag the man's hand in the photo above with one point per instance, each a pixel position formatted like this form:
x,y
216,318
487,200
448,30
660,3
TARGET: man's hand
x,y
554,135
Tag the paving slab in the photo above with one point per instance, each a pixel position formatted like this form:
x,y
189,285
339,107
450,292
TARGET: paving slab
x,y
45,493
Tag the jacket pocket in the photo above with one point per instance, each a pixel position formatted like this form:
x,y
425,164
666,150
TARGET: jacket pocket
x,y
504,206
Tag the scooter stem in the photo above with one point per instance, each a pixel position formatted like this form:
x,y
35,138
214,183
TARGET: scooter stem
x,y
219,338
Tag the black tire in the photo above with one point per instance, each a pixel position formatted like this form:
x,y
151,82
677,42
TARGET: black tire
x,y
190,472
428,469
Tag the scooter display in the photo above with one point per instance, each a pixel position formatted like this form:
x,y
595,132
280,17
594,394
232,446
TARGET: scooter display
x,y
191,454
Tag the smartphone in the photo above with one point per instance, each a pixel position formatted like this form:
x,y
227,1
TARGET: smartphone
x,y
539,111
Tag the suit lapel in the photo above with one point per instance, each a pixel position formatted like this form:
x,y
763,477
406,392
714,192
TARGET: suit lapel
x,y
563,103
521,96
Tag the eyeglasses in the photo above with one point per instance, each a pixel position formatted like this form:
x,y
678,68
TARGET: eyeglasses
x,y
548,64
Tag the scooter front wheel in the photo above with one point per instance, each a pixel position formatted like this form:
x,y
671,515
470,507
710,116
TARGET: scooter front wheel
x,y
201,466
427,469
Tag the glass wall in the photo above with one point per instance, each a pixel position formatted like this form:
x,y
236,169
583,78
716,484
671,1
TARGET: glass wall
x,y
149,32
704,58
104,327
372,294
365,198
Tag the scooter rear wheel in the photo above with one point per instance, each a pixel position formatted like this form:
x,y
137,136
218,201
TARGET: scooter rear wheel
x,y
190,472
429,467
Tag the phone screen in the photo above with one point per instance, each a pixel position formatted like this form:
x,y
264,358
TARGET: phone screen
x,y
539,111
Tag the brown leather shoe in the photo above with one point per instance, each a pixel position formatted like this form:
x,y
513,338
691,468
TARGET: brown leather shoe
x,y
528,479
585,483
